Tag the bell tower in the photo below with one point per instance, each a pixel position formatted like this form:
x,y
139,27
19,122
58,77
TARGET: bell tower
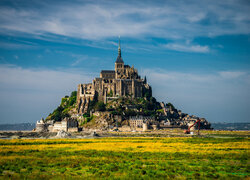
x,y
119,64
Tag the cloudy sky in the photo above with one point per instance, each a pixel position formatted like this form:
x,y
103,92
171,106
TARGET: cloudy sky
x,y
195,54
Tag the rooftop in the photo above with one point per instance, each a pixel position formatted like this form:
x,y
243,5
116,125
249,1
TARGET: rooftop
x,y
107,71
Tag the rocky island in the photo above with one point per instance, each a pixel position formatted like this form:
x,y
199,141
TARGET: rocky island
x,y
118,100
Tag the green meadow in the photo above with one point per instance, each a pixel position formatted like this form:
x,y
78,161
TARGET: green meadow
x,y
125,158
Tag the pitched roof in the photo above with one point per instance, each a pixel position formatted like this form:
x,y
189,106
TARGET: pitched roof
x,y
107,71
119,59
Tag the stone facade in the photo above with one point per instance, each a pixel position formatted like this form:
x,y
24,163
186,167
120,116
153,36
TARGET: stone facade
x,y
67,125
41,126
123,81
141,122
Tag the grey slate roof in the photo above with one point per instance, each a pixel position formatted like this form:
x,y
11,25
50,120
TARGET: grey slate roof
x,y
119,59
107,71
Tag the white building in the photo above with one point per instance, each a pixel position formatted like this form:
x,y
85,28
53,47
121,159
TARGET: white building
x,y
67,125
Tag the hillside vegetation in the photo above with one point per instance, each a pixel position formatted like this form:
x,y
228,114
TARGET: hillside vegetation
x,y
125,106
68,103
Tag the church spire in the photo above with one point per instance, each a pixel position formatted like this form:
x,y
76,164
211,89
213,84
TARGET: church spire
x,y
119,57
119,48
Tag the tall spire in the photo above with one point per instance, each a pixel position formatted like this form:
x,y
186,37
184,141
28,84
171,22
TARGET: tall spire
x,y
119,57
119,48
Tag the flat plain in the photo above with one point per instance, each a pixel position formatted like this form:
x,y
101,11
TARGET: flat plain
x,y
215,155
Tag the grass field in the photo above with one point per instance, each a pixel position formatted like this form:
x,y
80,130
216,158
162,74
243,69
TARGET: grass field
x,y
126,158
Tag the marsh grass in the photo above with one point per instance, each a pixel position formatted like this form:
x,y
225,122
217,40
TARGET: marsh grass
x,y
125,158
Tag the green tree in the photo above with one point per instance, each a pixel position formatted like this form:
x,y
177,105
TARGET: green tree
x,y
171,105
74,93
72,100
57,116
130,112
148,93
100,106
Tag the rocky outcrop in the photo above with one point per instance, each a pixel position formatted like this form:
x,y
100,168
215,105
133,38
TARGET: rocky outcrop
x,y
62,134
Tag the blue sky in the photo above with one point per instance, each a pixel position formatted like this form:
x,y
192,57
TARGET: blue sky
x,y
196,54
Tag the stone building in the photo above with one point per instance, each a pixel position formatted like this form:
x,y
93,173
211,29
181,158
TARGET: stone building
x,y
67,125
41,126
123,81
136,122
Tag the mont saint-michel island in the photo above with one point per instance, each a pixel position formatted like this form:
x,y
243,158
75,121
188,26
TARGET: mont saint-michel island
x,y
124,90
118,100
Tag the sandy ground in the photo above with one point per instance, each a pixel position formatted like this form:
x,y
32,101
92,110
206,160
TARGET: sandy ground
x,y
96,134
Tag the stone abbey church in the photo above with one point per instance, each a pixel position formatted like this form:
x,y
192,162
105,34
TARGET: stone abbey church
x,y
123,81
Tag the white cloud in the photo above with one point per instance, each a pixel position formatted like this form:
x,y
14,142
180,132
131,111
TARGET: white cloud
x,y
232,74
105,19
79,59
10,45
196,17
39,79
187,48
213,96
29,94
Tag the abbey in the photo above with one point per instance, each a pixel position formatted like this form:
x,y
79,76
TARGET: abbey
x,y
123,81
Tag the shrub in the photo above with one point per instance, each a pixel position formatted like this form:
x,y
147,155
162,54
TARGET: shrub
x,y
73,94
100,106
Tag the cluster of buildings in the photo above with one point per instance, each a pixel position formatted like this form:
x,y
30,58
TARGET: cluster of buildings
x,y
67,125
143,123
174,117
120,82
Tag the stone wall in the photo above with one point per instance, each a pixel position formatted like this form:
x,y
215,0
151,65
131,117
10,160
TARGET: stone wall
x,y
68,124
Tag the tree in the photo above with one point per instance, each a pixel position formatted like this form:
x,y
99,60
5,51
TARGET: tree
x,y
74,93
72,100
56,116
130,112
100,106
170,105
148,93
